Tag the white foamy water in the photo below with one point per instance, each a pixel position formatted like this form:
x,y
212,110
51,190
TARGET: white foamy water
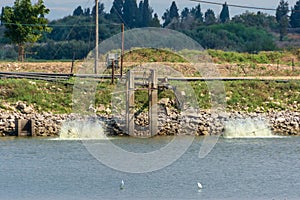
x,y
82,130
248,128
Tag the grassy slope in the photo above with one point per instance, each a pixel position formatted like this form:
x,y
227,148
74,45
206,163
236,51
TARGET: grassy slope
x,y
240,95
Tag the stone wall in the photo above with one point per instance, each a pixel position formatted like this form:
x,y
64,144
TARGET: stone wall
x,y
170,122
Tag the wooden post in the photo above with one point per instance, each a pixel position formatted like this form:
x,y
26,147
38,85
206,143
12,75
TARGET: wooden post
x,y
122,50
130,103
112,71
73,61
153,95
97,37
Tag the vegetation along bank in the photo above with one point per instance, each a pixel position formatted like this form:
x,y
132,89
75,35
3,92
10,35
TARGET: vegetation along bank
x,y
49,104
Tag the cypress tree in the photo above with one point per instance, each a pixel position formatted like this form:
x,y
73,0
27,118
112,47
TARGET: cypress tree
x,y
170,14
116,11
295,16
174,11
282,18
198,14
140,14
147,14
1,16
224,15
130,13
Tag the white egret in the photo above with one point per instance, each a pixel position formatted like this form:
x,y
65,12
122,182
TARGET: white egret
x,y
199,185
122,185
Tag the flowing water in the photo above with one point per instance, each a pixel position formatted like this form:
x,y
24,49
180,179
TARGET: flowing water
x,y
247,128
235,169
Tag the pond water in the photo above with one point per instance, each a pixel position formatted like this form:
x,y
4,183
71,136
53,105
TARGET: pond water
x,y
50,169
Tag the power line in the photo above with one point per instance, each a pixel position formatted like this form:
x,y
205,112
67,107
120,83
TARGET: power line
x,y
235,5
61,25
50,25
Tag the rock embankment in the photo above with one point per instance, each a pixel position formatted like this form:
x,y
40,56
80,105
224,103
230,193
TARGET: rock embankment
x,y
172,123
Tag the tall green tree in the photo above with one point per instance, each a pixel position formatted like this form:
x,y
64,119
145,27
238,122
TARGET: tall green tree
x,y
224,15
185,14
146,14
196,12
1,16
25,23
282,18
171,15
295,16
174,11
140,14
116,11
210,17
130,13
78,11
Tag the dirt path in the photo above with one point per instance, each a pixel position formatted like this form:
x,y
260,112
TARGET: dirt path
x,y
225,70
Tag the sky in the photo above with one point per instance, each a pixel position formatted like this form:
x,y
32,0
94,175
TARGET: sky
x,y
60,9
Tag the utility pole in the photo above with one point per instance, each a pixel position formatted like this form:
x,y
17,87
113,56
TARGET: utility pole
x,y
97,37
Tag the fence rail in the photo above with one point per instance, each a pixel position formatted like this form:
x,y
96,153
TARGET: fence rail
x,y
61,77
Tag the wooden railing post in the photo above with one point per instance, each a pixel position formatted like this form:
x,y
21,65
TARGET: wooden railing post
x,y
153,95
130,103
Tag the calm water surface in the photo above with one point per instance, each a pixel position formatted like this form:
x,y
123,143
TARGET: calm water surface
x,y
234,169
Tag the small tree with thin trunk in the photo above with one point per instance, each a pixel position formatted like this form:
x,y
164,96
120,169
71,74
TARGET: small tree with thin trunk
x,y
25,23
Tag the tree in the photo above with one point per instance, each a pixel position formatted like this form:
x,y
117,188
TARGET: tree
x,y
185,14
130,13
101,9
78,11
166,18
295,16
174,11
146,14
1,16
282,18
140,14
116,11
25,22
210,17
256,19
155,21
224,15
171,15
87,12
282,10
196,12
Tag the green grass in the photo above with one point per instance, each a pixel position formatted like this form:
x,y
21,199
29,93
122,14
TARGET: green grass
x,y
44,96
259,58
240,95
254,95
152,55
